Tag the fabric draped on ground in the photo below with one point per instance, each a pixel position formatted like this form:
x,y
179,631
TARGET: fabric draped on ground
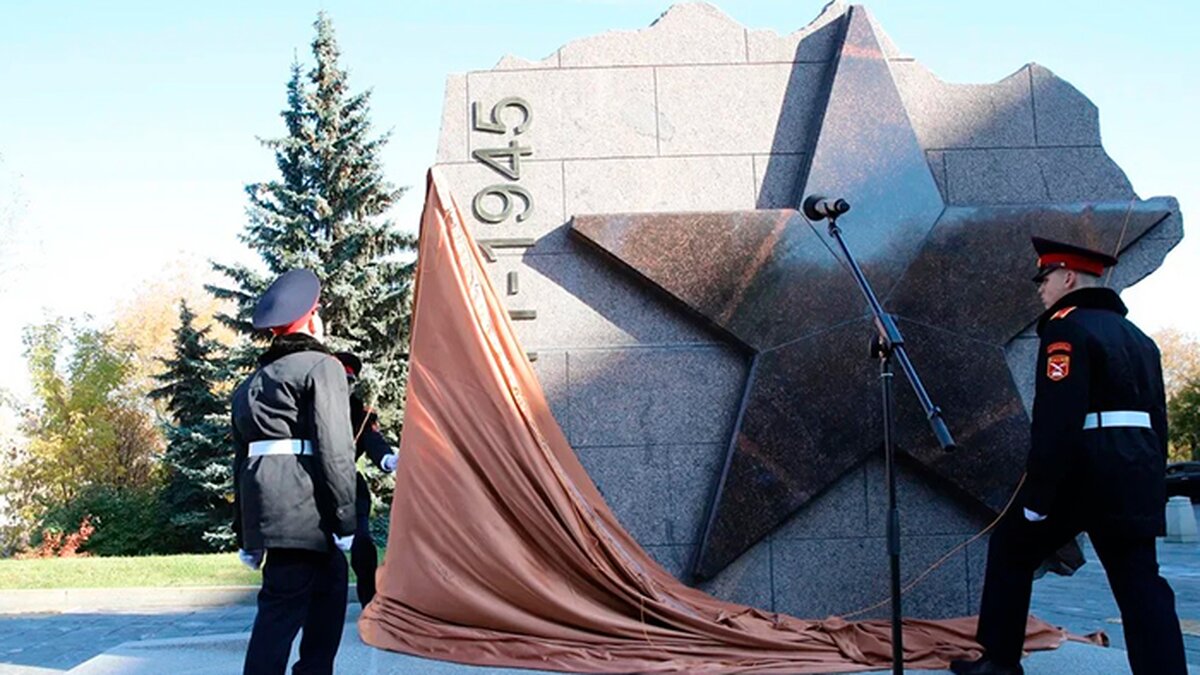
x,y
502,551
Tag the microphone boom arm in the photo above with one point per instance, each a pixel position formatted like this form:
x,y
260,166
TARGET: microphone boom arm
x,y
889,334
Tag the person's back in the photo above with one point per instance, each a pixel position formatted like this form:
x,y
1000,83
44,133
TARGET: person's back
x,y
293,475
1122,470
364,558
289,509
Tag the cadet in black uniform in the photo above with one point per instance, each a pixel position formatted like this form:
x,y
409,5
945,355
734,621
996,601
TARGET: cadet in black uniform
x,y
293,474
1096,464
364,558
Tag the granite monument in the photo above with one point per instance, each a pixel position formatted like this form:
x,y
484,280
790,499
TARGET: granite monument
x,y
701,344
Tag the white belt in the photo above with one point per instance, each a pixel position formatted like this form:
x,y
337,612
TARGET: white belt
x,y
281,446
1117,418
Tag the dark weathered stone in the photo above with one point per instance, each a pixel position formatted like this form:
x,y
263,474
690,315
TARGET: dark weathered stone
x,y
776,285
946,180
966,277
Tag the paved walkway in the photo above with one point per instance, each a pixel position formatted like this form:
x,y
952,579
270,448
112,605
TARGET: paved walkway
x,y
213,640
1083,603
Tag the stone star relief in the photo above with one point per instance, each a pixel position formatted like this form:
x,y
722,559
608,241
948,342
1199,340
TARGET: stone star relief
x,y
769,280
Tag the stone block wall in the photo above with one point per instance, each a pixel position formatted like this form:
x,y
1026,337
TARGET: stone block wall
x,y
698,113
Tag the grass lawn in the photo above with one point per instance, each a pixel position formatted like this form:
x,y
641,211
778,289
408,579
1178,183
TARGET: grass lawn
x,y
212,569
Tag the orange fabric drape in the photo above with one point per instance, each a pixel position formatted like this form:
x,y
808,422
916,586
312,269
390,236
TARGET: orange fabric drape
x,y
502,551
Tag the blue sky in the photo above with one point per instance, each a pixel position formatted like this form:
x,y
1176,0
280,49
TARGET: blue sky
x,y
128,129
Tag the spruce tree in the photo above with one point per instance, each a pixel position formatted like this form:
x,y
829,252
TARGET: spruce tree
x,y
325,212
198,454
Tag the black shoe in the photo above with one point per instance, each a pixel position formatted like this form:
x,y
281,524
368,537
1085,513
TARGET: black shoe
x,y
984,666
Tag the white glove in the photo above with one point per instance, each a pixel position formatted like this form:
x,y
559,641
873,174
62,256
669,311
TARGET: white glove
x,y
252,559
1033,516
388,463
343,543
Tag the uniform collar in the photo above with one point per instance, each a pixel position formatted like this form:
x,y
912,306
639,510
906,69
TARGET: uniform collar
x,y
290,344
1086,298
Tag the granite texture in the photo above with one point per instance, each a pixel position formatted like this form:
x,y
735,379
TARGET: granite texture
x,y
511,62
653,396
873,161
1082,174
976,557
551,370
544,182
695,470
771,282
960,283
747,580
452,137
774,115
835,577
815,43
988,421
995,176
1033,175
635,479
584,302
937,167
777,180
1145,254
1064,116
690,344
1021,353
691,33
764,278
840,512
927,505
619,185
632,481
948,115
576,113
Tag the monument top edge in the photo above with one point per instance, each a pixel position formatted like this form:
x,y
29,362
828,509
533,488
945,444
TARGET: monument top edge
x,y
683,21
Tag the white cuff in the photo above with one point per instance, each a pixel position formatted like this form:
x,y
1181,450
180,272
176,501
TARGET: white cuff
x,y
388,463
1033,516
251,559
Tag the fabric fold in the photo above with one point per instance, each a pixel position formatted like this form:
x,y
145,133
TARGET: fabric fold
x,y
503,552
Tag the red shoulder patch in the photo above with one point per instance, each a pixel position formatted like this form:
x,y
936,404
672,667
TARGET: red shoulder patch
x,y
1062,313
1059,347
1058,367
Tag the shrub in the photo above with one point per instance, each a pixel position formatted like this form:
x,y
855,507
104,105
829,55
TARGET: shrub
x,y
59,544
126,521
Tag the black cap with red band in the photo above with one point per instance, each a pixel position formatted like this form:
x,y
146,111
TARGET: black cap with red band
x,y
288,303
1055,255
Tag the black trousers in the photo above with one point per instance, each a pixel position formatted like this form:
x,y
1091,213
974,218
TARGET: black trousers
x,y
301,589
1152,635
364,558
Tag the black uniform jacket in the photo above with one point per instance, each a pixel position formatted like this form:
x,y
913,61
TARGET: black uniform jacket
x,y
367,439
294,501
1092,359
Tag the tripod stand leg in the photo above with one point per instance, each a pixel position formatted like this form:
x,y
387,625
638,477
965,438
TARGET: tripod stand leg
x,y
893,516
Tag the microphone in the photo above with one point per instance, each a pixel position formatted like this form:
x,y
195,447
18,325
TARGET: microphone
x,y
817,207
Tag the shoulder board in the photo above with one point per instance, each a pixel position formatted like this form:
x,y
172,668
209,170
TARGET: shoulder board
x,y
1062,313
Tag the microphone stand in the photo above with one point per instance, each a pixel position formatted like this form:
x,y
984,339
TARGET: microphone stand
x,y
887,344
